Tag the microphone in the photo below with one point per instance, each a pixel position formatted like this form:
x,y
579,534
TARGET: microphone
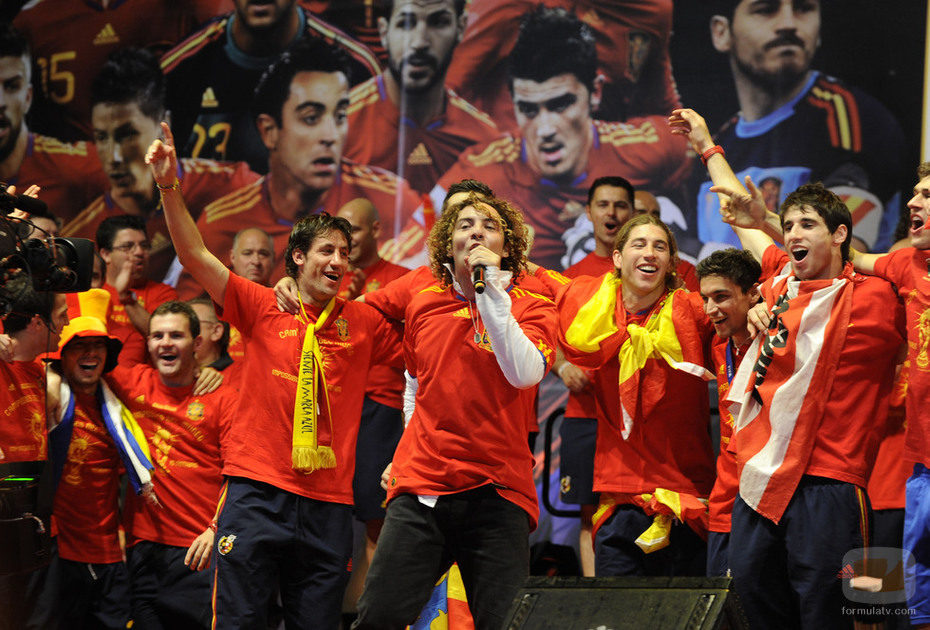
x,y
33,206
477,278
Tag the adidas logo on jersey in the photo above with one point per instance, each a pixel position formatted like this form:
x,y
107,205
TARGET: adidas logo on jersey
x,y
209,98
419,156
107,35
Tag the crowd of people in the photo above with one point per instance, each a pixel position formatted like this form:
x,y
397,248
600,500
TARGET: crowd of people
x,y
326,294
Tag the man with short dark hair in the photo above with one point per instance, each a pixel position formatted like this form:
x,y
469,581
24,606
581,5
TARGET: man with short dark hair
x,y
124,247
405,120
68,174
185,431
729,287
128,103
804,446
548,168
798,125
285,516
211,75
300,109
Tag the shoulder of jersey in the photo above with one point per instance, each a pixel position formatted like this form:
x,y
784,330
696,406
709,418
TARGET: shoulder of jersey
x,y
363,95
54,146
501,151
320,28
87,216
369,176
518,293
460,103
202,166
236,202
194,43
841,108
620,134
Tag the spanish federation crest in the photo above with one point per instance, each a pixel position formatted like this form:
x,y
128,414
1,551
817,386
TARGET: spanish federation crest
x,y
342,329
195,411
226,544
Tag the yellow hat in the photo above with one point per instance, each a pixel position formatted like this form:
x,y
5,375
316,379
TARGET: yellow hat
x,y
87,314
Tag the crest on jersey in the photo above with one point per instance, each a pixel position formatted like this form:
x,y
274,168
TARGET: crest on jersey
x,y
226,544
195,411
342,329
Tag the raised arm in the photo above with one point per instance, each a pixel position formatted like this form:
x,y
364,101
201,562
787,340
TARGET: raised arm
x,y
192,253
744,210
863,263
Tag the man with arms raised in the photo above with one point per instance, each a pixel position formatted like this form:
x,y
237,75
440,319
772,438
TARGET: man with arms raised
x,y
285,516
804,446
410,104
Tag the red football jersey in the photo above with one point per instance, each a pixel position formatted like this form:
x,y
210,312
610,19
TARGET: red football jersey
x,y
854,417
643,151
668,445
469,425
385,383
202,182
184,432
71,39
892,469
250,207
354,337
69,174
86,509
632,38
909,270
376,128
23,431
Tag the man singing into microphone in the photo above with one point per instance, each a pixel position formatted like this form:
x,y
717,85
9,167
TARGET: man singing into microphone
x,y
460,488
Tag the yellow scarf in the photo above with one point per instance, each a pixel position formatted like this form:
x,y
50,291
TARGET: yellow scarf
x,y
307,454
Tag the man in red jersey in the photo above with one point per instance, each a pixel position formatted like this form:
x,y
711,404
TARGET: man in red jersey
x,y
300,107
729,287
128,99
92,442
32,327
212,73
68,174
285,516
548,168
95,29
406,120
653,462
184,431
632,39
909,269
804,447
124,247
460,486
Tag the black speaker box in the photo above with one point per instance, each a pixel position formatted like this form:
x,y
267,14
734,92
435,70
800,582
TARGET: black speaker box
x,y
620,603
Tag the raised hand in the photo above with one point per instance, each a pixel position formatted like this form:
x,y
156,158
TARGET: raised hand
x,y
743,210
163,159
688,123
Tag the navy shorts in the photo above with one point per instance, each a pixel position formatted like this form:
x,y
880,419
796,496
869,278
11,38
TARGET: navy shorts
x,y
790,574
718,554
378,435
165,592
268,538
579,438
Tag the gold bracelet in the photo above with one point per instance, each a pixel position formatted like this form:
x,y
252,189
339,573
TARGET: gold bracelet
x,y
175,186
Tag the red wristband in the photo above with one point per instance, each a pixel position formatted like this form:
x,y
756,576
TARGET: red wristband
x,y
213,525
709,152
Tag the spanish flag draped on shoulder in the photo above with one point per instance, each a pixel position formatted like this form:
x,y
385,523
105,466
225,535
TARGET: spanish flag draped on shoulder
x,y
780,390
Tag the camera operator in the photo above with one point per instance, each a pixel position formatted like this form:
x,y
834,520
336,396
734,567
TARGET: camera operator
x,y
33,326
